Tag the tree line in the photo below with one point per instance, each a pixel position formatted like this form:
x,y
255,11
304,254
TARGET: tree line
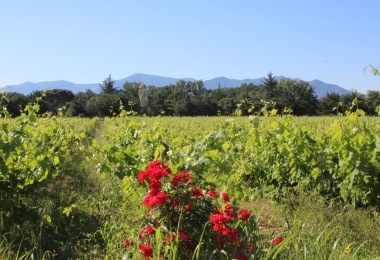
x,y
187,98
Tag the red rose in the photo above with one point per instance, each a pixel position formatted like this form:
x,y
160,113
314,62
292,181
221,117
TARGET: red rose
x,y
127,243
154,184
277,240
175,203
213,193
181,179
196,192
183,236
244,214
146,250
161,197
142,176
225,197
188,207
240,256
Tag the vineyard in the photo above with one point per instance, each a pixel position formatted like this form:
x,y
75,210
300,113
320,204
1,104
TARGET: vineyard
x,y
69,187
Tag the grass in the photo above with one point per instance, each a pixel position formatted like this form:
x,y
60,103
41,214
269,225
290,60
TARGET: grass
x,y
103,217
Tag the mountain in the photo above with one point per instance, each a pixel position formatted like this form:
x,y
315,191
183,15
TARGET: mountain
x,y
28,87
321,88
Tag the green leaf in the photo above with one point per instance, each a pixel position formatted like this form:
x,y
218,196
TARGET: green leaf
x,y
47,218
56,160
315,173
378,110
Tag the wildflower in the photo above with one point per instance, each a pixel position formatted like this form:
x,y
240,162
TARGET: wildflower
x,y
277,240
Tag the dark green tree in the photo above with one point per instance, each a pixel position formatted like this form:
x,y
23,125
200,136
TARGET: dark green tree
x,y
16,103
270,84
299,96
329,105
108,86
78,104
372,98
104,104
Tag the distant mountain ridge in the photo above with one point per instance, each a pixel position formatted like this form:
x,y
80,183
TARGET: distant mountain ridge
x,y
26,88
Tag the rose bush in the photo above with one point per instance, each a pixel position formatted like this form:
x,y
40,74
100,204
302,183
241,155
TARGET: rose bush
x,y
198,221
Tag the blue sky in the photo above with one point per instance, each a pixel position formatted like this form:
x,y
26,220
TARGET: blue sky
x,y
85,41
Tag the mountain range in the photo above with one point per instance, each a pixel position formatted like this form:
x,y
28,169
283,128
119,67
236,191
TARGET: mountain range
x,y
321,88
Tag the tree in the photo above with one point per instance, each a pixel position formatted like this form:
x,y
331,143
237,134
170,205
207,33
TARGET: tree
x,y
78,104
270,84
108,86
329,104
299,96
51,100
143,97
103,105
16,103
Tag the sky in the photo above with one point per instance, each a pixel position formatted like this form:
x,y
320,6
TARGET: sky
x,y
85,41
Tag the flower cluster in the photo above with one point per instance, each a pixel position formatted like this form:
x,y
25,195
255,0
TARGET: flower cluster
x,y
175,198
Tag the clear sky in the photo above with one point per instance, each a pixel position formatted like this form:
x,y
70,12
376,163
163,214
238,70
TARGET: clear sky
x,y
85,41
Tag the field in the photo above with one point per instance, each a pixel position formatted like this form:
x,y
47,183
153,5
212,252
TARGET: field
x,y
70,188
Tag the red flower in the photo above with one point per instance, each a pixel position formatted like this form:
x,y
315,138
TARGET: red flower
x,y
213,193
181,179
188,207
127,243
146,232
233,235
154,184
142,176
240,256
146,250
183,236
228,207
167,239
155,198
161,198
225,197
175,203
157,164
251,248
244,214
157,173
277,240
218,228
196,192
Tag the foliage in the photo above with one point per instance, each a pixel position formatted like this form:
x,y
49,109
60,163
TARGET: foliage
x,y
107,86
178,216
